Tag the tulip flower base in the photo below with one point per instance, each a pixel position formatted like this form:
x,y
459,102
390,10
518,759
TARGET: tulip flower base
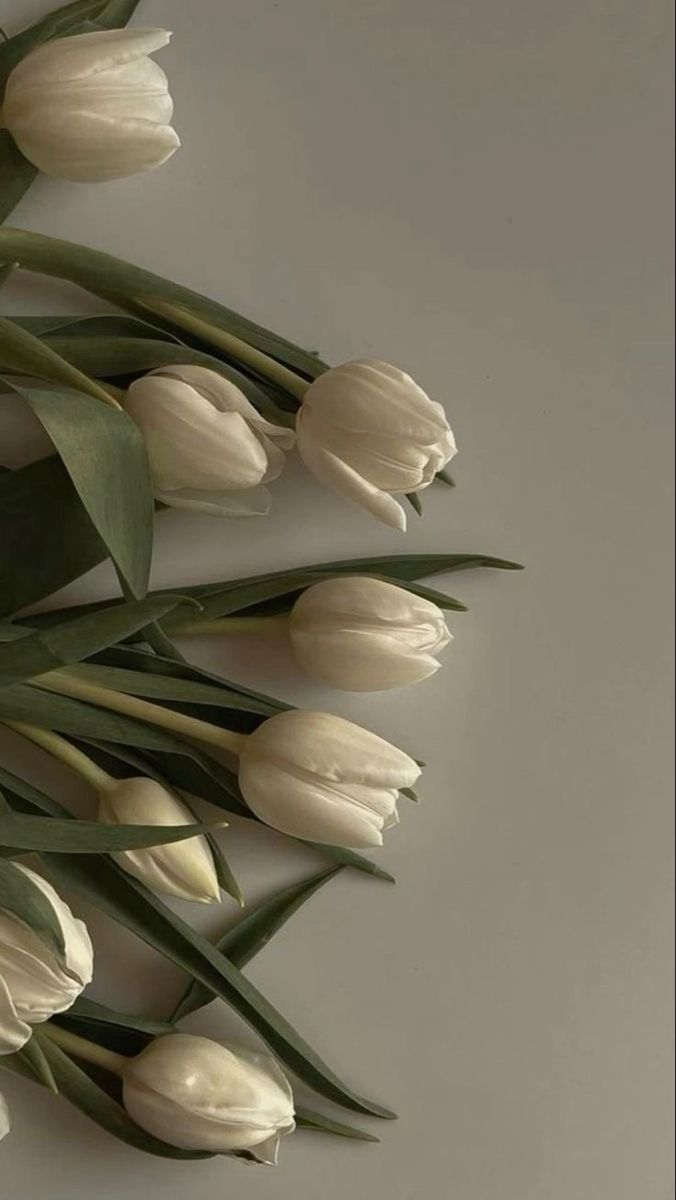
x,y
169,399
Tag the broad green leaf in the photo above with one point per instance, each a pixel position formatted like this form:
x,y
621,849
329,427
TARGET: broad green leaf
x,y
116,14
108,326
105,455
46,537
33,1054
25,901
316,1122
110,277
80,1089
21,353
133,906
21,831
16,174
248,936
77,639
164,687
121,1032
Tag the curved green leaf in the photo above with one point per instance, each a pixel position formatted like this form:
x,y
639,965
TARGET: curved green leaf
x,y
21,831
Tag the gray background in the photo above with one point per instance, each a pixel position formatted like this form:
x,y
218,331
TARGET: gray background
x,y
478,192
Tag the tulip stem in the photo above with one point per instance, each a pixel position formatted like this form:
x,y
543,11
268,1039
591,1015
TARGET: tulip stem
x,y
90,1052
59,748
232,345
132,706
228,625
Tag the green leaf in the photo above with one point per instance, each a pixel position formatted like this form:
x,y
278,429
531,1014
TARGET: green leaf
x,y
45,534
16,174
105,455
21,831
24,354
117,13
415,502
244,940
78,638
80,1089
444,477
85,1009
33,1055
6,271
125,284
108,326
166,687
316,1122
24,900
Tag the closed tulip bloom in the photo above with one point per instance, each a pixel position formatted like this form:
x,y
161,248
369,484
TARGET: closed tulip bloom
x,y
5,1123
92,107
184,869
34,984
198,1095
317,776
366,635
369,432
209,448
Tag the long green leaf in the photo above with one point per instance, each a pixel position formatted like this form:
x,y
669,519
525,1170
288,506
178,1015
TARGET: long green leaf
x,y
25,901
105,275
33,1054
106,458
20,831
244,940
77,639
80,1089
24,354
166,687
307,1118
16,174
46,537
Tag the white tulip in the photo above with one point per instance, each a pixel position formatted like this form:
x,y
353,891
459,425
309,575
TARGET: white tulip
x,y
34,984
366,635
92,107
369,432
209,448
5,1123
316,776
198,1095
184,869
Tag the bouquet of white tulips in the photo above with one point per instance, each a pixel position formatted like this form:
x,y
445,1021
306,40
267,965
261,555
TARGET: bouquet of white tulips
x,y
168,400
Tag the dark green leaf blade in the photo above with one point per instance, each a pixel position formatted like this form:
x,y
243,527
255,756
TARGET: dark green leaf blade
x,y
307,1118
105,455
21,831
33,1054
244,940
34,499
77,639
16,174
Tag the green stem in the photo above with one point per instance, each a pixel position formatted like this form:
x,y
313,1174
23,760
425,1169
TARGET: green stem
x,y
234,625
69,685
98,1056
232,345
59,748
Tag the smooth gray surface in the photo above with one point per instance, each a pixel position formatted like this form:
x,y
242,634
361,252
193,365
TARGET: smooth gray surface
x,y
478,192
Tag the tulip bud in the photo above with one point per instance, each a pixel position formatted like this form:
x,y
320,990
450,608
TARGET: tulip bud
x,y
34,983
184,869
5,1123
198,1095
366,635
369,432
92,107
209,448
316,776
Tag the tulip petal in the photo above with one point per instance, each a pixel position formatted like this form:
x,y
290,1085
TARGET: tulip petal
x,y
93,148
341,478
359,661
251,502
14,1033
79,949
5,1123
85,55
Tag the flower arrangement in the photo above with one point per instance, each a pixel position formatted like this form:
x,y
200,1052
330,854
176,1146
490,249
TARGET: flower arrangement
x,y
191,406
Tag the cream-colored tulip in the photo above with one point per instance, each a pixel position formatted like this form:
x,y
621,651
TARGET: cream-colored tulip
x,y
365,635
368,431
199,1095
209,448
319,777
34,984
92,107
184,869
